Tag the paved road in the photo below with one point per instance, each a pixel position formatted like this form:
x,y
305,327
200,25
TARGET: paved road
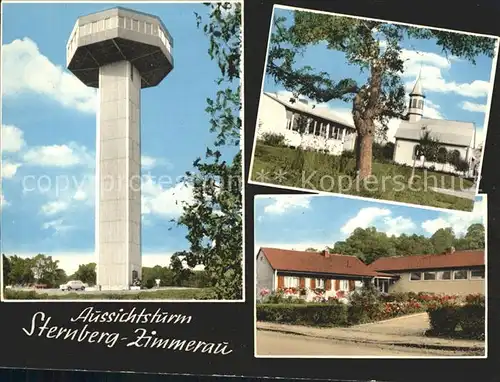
x,y
466,194
280,344
412,325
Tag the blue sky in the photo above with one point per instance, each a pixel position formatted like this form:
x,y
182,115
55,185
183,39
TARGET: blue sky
x,y
303,221
49,124
455,89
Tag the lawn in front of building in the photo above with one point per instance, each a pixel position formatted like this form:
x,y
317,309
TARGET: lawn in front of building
x,y
328,173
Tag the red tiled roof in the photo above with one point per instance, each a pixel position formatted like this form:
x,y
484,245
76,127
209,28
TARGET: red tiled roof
x,y
316,262
451,260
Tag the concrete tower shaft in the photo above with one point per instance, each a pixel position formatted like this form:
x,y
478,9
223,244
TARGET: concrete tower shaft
x,y
119,51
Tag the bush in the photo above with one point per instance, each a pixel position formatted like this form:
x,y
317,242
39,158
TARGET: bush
x,y
472,321
150,283
365,305
444,319
272,139
304,314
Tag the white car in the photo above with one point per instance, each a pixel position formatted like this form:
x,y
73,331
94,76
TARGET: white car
x,y
73,285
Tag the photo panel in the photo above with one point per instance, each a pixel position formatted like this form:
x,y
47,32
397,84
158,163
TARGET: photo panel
x,y
104,179
343,277
373,108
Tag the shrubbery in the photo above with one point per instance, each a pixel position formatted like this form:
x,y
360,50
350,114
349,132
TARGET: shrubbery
x,y
329,314
449,318
272,139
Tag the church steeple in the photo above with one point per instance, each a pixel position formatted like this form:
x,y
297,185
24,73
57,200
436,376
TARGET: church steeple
x,y
416,106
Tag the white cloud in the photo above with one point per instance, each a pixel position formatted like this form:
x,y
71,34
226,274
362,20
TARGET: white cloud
x,y
364,218
458,221
30,71
398,225
431,67
9,169
148,162
3,202
54,207
58,156
12,138
80,195
474,107
431,110
57,226
166,202
284,203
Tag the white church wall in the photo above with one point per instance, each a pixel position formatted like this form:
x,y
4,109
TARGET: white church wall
x,y
403,154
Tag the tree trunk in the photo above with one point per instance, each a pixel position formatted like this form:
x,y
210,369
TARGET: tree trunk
x,y
365,155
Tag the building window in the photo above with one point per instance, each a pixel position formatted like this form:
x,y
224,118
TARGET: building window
x,y
429,276
149,28
291,282
444,275
320,283
477,274
420,104
460,275
415,276
344,284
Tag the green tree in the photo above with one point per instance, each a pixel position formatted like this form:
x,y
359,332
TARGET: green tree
x,y
443,239
164,274
214,218
474,238
407,245
381,97
6,270
86,273
180,274
46,270
21,270
366,244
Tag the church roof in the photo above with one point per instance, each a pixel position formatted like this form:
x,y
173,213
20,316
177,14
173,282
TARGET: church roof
x,y
446,132
320,112
417,88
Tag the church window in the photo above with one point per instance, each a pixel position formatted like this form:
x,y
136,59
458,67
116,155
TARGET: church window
x,y
417,152
420,104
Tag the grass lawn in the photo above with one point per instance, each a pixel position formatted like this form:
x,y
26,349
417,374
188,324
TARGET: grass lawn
x,y
166,294
322,172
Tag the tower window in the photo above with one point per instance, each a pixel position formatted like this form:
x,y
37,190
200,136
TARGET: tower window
x,y
420,104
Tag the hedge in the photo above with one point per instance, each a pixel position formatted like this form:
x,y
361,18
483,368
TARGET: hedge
x,y
464,321
304,314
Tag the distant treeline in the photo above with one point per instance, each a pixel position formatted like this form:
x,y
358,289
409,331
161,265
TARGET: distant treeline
x,y
43,269
369,244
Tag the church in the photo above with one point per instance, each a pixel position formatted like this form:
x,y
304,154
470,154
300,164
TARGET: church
x,y
324,130
456,140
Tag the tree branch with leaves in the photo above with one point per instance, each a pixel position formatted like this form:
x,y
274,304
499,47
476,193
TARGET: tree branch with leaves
x,y
214,219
